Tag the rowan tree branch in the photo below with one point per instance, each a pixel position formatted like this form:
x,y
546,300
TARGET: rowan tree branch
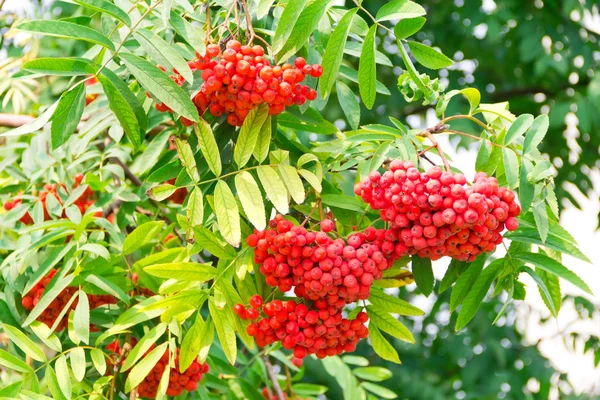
x,y
273,377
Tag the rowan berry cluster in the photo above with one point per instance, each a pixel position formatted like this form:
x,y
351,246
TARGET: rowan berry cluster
x,y
435,214
241,78
51,189
53,310
178,382
317,266
319,330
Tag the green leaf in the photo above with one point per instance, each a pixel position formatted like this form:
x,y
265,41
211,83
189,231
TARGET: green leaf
x,y
208,146
349,104
375,374
77,357
423,274
141,236
382,347
194,36
511,167
119,105
352,75
393,304
183,271
63,376
98,360
408,27
141,370
130,98
53,385
81,318
367,70
554,295
60,66
20,340
543,289
428,56
13,363
302,29
143,346
161,192
477,293
227,212
108,287
380,391
251,199
558,238
192,343
109,8
291,13
263,142
526,189
540,215
343,201
33,126
208,241
274,187
161,86
55,287
465,282
536,133
263,8
312,179
384,321
225,330
186,156
379,156
69,30
67,115
248,136
552,266
332,59
195,207
293,183
452,273
518,128
399,9
158,44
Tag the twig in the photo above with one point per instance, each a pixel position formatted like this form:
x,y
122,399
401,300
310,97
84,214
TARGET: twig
x,y
421,153
273,377
439,149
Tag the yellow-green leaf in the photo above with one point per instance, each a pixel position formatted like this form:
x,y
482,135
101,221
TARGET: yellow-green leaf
x,y
274,187
251,199
227,212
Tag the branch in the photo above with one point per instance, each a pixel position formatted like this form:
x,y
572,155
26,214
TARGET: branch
x,y
273,377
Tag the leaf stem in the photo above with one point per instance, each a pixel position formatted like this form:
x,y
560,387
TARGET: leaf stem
x,y
273,377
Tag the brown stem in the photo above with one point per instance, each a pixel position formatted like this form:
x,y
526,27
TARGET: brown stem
x,y
207,21
472,137
421,153
273,377
311,212
439,149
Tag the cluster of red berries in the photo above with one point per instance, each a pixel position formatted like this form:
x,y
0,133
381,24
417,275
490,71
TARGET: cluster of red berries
x,y
178,382
51,189
435,214
51,313
317,266
319,330
241,78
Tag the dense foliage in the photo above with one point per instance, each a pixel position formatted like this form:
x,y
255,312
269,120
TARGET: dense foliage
x,y
180,215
